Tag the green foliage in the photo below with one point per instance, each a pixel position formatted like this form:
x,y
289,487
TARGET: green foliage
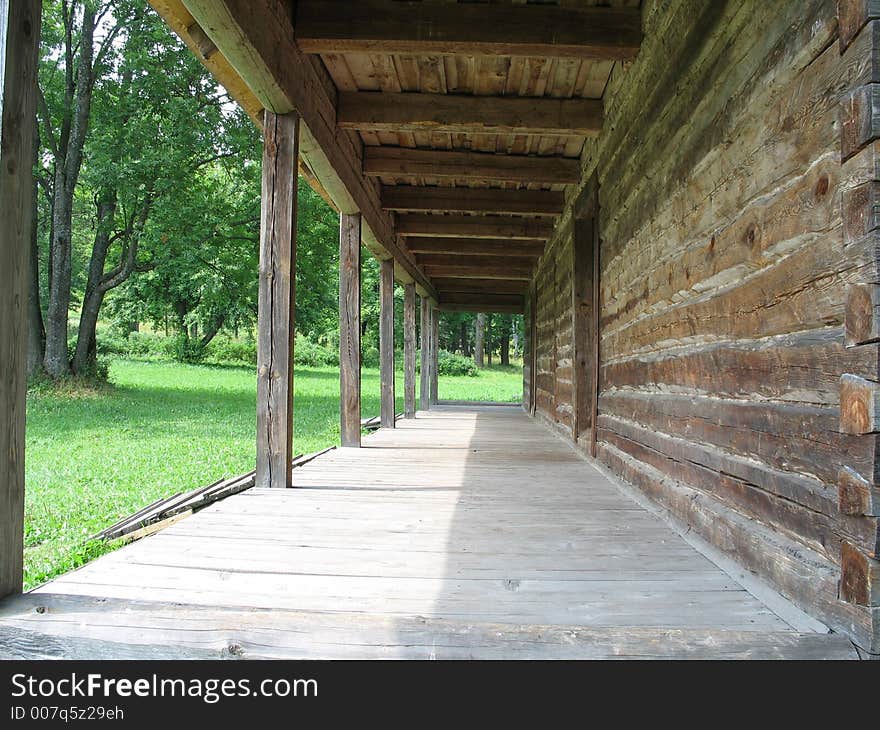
x,y
311,354
226,349
450,363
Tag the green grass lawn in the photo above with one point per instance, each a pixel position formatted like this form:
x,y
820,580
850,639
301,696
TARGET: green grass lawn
x,y
94,457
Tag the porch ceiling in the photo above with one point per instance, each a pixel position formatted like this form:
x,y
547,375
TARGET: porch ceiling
x,y
469,117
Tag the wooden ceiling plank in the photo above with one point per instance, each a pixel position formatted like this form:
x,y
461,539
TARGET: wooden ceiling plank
x,y
401,161
382,26
364,110
409,198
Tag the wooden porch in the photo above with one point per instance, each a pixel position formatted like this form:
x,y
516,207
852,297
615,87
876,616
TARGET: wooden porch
x,y
467,532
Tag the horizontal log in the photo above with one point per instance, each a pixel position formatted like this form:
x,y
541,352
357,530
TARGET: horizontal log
x,y
382,26
494,309
465,271
860,210
475,246
859,405
804,439
484,166
411,198
371,111
473,226
499,286
800,367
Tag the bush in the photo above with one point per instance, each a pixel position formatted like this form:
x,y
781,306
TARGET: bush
x,y
310,354
370,357
450,363
226,349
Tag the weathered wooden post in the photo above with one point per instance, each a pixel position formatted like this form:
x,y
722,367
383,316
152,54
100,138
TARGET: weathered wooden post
x,y
386,343
425,356
409,351
276,300
350,329
435,353
19,42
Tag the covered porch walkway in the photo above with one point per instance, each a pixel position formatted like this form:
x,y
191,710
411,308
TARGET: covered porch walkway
x,y
468,532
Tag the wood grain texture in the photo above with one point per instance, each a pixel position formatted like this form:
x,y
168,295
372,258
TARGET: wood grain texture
x,y
409,351
436,541
415,199
19,42
425,355
350,329
396,113
476,247
379,26
474,226
386,343
477,166
277,297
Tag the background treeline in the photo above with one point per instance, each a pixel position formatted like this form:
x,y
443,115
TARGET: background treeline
x,y
147,213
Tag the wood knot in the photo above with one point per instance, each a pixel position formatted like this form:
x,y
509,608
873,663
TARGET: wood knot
x,y
511,584
711,248
822,186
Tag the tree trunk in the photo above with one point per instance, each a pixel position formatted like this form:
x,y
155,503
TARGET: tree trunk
x,y
505,348
86,355
463,337
36,348
68,154
479,335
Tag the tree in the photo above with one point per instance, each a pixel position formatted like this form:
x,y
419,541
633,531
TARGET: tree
x,y
479,339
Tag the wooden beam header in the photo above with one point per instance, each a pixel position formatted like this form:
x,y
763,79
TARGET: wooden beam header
x,y
486,166
474,226
482,302
376,111
381,26
410,198
491,286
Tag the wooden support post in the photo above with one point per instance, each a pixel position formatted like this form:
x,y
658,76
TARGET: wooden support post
x,y
350,329
19,41
409,351
435,353
425,356
276,301
386,343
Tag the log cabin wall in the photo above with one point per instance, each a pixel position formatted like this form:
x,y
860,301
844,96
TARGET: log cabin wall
x,y
733,235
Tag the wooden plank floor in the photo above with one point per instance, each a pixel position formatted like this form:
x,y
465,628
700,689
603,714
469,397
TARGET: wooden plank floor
x,y
468,532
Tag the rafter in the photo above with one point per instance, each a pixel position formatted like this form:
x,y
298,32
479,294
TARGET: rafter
x,y
382,26
458,114
490,286
411,198
475,247
486,166
474,226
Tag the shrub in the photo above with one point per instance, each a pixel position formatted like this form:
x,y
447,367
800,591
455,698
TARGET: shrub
x,y
227,349
450,363
310,354
370,357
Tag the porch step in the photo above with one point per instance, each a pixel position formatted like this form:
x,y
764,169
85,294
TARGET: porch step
x,y
73,627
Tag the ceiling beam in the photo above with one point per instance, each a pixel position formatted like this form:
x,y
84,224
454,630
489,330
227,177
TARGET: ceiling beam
x,y
470,271
412,198
499,263
482,302
489,308
476,246
473,226
382,26
485,166
491,286
376,111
